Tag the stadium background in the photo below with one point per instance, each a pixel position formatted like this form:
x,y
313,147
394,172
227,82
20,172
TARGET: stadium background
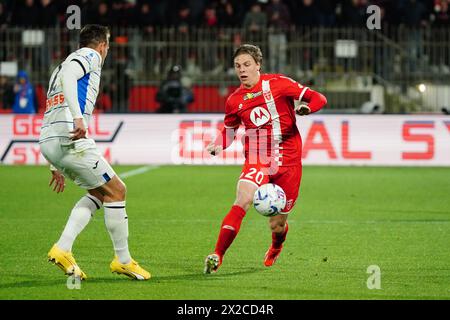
x,y
326,44
388,96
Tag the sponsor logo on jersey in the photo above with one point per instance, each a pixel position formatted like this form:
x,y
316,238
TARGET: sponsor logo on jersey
x,y
259,116
252,95
56,100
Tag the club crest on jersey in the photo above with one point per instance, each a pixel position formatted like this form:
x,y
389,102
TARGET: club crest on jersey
x,y
252,95
268,96
259,116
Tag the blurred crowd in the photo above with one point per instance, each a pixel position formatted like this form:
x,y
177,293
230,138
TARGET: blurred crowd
x,y
223,13
145,46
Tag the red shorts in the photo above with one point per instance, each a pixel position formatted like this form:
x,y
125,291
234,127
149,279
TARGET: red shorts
x,y
288,178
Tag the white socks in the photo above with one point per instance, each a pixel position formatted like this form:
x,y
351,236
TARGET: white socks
x,y
116,221
79,218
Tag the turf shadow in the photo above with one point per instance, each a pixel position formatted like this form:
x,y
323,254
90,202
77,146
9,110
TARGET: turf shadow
x,y
33,284
207,277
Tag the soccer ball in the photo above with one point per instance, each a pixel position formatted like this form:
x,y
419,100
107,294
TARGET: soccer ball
x,y
269,200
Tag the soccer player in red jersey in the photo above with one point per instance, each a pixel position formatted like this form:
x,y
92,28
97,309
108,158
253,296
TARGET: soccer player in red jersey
x,y
266,104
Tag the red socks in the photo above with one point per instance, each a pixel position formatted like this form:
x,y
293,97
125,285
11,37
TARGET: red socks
x,y
229,229
278,239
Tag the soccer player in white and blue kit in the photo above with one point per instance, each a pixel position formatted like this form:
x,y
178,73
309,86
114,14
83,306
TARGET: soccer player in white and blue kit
x,y
71,96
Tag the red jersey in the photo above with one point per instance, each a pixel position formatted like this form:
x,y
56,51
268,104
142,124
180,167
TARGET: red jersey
x,y
267,112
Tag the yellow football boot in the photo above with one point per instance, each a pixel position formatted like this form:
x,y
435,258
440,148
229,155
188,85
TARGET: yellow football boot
x,y
132,270
66,262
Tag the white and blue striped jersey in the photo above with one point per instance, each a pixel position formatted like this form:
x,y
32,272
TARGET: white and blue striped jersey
x,y
58,120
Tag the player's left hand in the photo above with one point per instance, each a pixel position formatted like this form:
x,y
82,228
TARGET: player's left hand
x,y
58,180
302,110
79,131
213,150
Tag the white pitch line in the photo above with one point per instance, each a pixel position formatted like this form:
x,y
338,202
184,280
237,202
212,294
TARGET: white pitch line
x,y
137,171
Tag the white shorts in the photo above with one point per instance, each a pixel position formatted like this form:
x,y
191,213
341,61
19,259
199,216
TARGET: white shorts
x,y
78,160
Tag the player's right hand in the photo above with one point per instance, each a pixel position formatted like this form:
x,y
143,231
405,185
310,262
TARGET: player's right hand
x,y
302,109
213,149
79,131
59,180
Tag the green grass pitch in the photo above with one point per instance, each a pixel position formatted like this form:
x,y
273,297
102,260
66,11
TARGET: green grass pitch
x,y
346,219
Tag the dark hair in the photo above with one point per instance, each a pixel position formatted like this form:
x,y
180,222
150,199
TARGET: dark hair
x,y
93,34
250,49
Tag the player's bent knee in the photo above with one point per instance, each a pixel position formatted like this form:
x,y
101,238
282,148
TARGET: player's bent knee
x,y
277,226
96,193
114,190
243,202
120,190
